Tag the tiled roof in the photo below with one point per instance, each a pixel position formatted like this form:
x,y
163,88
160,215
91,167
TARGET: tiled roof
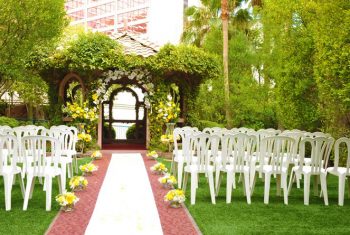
x,y
134,44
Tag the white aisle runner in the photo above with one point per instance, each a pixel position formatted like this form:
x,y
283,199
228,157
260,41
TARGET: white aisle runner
x,y
125,204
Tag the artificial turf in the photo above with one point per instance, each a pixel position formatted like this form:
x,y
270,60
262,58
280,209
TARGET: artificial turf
x,y
274,218
36,219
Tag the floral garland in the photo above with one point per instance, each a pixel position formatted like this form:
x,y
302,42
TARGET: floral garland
x,y
142,77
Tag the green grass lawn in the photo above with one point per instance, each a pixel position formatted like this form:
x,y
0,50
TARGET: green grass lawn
x,y
274,218
36,219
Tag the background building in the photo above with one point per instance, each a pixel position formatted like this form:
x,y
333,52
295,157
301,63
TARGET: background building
x,y
161,21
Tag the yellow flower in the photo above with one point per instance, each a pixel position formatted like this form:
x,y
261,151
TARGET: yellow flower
x,y
94,97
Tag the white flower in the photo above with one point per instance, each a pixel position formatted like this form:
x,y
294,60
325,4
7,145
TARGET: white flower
x,y
169,97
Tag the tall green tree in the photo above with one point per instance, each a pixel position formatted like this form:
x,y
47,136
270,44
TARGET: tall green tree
x,y
24,25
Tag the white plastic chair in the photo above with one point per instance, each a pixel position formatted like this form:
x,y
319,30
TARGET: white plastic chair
x,y
38,146
178,161
199,162
235,150
8,166
72,151
341,172
66,140
319,148
275,155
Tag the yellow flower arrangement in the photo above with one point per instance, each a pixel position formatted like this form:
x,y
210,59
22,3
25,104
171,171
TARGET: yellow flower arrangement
x,y
167,181
88,168
96,155
67,200
168,111
175,197
84,137
159,168
78,183
152,154
81,113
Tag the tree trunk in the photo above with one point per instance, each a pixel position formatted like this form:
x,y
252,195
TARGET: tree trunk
x,y
224,18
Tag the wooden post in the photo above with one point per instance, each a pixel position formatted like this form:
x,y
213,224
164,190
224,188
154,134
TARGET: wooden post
x,y
99,128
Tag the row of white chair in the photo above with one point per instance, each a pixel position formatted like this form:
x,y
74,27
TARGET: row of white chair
x,y
44,153
233,152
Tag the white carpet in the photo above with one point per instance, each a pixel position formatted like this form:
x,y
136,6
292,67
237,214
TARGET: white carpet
x,y
125,204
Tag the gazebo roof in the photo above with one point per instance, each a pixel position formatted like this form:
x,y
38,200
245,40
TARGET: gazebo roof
x,y
134,44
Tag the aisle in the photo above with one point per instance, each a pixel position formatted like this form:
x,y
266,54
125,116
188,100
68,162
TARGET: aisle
x,y
125,204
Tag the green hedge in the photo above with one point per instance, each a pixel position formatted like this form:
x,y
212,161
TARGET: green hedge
x,y
6,121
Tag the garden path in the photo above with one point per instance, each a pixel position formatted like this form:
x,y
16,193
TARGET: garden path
x,y
173,221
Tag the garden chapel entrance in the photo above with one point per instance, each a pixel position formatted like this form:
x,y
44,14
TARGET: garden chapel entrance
x,y
124,117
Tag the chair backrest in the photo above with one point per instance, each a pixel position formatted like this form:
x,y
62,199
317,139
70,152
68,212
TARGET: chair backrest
x,y
4,129
238,148
200,144
320,151
8,151
297,136
276,151
316,134
66,140
337,148
39,148
40,130
189,128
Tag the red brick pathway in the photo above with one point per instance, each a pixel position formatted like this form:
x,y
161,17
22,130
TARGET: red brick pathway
x,y
173,221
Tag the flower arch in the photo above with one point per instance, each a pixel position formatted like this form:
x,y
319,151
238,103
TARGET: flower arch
x,y
139,76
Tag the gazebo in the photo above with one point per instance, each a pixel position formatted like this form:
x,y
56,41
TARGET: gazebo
x,y
134,66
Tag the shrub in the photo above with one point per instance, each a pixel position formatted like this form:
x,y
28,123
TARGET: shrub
x,y
6,121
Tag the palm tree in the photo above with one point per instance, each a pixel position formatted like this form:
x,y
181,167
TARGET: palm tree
x,y
225,21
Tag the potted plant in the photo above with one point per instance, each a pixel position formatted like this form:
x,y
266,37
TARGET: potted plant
x,y
88,168
67,201
78,183
168,181
159,168
175,197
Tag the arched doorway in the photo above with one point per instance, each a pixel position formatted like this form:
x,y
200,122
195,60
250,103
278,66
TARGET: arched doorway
x,y
124,117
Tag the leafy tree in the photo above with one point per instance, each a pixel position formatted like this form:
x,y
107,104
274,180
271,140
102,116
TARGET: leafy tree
x,y
25,24
288,63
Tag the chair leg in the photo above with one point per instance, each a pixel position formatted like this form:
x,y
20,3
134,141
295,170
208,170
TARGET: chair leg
x,y
48,192
32,189
341,189
8,188
64,175
70,170
59,182
306,188
267,188
217,176
284,185
30,182
21,183
211,187
229,186
76,164
193,188
291,180
247,186
252,183
184,182
323,178
219,184
179,172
